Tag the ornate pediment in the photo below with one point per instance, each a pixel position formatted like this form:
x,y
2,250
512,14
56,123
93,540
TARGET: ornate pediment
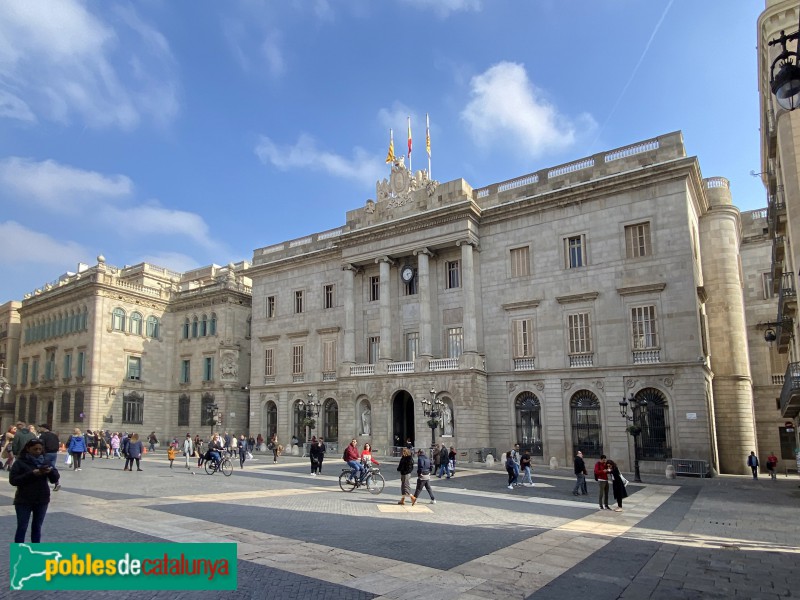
x,y
399,188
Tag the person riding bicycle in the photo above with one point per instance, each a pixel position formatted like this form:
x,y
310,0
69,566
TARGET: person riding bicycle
x,y
367,461
351,457
214,451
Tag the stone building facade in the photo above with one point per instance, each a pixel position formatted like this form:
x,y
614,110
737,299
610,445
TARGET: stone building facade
x,y
529,308
138,348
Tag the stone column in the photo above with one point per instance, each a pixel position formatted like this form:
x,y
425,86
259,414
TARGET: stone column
x,y
385,263
424,294
730,361
349,315
470,323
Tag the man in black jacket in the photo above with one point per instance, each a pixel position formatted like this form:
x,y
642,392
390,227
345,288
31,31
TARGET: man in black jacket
x,y
51,445
580,475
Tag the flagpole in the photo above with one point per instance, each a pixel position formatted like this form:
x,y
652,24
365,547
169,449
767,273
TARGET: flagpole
x,y
409,146
428,143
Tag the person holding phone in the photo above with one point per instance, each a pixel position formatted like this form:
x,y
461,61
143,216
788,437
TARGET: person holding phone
x,y
30,475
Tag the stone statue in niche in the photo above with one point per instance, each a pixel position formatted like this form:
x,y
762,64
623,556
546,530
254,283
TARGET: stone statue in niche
x,y
447,419
366,420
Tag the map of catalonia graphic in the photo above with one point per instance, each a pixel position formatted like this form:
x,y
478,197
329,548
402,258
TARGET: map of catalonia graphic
x,y
30,564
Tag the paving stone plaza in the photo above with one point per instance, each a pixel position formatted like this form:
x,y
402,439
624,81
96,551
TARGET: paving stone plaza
x,y
302,537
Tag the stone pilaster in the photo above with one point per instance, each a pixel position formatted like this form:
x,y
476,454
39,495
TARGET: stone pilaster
x,y
424,293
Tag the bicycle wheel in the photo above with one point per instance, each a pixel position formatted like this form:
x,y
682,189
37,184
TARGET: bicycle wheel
x,y
210,468
226,468
344,484
375,483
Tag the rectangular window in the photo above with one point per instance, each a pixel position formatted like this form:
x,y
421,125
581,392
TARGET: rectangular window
x,y
455,342
643,323
327,296
298,302
374,348
35,371
574,251
297,360
269,361
453,277
787,444
183,411
65,408
520,262
329,356
81,366
637,240
50,365
374,288
133,409
412,345
208,368
24,375
270,307
766,284
186,371
521,338
135,367
580,334
67,366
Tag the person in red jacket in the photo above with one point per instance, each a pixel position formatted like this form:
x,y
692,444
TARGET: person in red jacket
x,y
351,457
601,477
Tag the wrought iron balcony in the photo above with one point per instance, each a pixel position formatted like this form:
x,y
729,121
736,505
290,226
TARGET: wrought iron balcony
x,y
778,253
787,297
790,393
783,335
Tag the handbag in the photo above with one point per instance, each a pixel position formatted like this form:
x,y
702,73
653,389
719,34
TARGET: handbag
x,y
624,481
68,459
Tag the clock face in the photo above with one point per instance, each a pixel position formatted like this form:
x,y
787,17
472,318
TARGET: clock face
x,y
407,274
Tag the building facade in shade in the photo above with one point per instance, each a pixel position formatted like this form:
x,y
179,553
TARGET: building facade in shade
x,y
9,351
780,172
138,348
529,308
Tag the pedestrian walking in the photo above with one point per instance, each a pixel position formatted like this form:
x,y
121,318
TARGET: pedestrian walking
x,y
135,451
322,450
752,462
275,447
30,475
21,437
7,442
443,458
580,475
511,469
316,457
451,462
772,465
601,477
115,445
405,467
188,449
423,476
515,456
76,447
102,446
152,440
171,455
525,465
51,444
242,447
617,484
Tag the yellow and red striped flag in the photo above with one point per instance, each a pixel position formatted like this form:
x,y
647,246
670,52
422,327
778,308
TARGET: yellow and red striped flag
x,y
390,156
409,137
428,135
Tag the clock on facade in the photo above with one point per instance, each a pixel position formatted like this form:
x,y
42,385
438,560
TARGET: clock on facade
x,y
407,274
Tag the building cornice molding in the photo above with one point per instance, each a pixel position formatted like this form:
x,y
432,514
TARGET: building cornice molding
x,y
584,297
647,288
511,306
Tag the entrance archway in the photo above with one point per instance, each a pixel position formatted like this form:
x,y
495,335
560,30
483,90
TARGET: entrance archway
x,y
402,418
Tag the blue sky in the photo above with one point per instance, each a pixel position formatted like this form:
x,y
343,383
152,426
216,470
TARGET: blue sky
x,y
190,133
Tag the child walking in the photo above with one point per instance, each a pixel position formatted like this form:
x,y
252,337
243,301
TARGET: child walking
x,y
171,455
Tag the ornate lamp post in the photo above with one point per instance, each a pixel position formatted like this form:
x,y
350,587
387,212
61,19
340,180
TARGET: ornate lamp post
x,y
638,408
785,84
433,410
310,410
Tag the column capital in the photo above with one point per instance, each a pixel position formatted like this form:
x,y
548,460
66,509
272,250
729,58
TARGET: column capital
x,y
426,251
384,259
350,267
469,242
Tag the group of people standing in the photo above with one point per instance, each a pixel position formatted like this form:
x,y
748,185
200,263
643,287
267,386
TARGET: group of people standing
x,y
606,472
519,462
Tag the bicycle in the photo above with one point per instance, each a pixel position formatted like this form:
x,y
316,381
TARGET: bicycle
x,y
373,481
224,465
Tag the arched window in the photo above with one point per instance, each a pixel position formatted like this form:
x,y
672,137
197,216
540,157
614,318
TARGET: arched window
x,y
299,429
204,326
194,327
136,323
64,416
183,410
77,410
587,432
206,413
529,423
152,326
653,442
21,406
118,319
186,328
272,419
133,408
331,427
212,324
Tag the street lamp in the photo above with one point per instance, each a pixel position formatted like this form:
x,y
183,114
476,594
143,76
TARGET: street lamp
x,y
433,410
310,411
786,83
638,408
211,409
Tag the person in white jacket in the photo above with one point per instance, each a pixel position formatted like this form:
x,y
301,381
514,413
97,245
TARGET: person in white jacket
x,y
188,448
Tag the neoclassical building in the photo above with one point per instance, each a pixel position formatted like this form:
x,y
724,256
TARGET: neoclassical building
x,y
138,348
530,308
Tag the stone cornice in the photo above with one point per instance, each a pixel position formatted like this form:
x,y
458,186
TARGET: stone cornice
x,y
646,288
328,330
584,297
521,305
269,338
297,334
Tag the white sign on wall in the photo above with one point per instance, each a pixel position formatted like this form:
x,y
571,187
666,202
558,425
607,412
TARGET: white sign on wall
x,y
691,416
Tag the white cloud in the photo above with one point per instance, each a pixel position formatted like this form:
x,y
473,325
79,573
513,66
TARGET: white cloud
x,y
444,7
59,187
363,168
14,107
272,53
61,62
507,107
20,245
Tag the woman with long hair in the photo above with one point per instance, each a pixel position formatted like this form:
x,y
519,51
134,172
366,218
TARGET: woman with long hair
x,y
135,450
617,485
405,467
76,446
30,474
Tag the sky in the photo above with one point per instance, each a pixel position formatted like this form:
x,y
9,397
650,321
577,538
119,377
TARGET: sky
x,y
190,133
